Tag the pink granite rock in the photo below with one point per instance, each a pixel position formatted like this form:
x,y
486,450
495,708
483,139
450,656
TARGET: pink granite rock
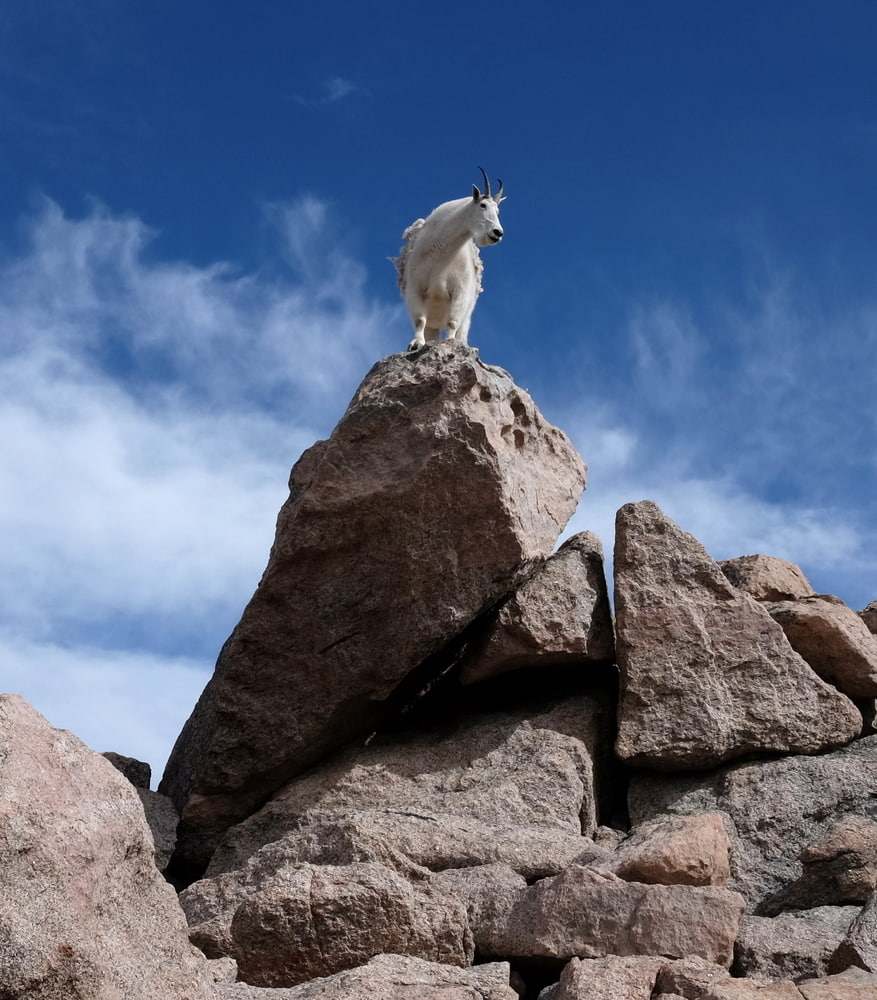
x,y
287,923
839,866
859,945
795,945
767,578
675,850
84,912
611,978
752,989
706,674
441,485
512,787
853,984
689,977
833,639
775,808
560,615
589,913
390,977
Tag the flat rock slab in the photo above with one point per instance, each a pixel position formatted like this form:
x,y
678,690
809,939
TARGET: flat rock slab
x,y
752,989
706,674
852,984
514,787
390,977
775,810
588,913
441,485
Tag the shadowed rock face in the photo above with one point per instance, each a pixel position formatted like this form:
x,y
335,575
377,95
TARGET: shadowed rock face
x,y
441,485
561,615
519,787
706,674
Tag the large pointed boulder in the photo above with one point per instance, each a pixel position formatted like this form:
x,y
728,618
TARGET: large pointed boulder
x,y
706,674
441,485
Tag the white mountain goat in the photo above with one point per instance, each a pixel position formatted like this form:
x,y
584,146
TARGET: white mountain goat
x,y
439,265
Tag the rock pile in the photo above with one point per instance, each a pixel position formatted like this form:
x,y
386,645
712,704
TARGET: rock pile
x,y
429,763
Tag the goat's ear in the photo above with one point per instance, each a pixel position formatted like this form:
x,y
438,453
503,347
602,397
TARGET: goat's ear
x,y
476,194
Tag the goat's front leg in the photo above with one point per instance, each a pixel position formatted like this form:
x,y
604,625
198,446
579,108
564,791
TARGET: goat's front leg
x,y
419,332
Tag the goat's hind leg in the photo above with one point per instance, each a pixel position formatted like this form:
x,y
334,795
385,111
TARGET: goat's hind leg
x,y
459,331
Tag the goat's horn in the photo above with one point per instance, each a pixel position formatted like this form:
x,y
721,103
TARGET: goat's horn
x,y
486,183
498,196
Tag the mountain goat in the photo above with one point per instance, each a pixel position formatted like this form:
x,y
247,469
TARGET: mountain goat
x,y
439,266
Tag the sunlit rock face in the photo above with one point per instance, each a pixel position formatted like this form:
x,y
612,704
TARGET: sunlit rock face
x,y
84,911
706,674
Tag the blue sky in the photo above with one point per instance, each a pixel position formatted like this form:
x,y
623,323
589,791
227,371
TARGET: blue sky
x,y
197,203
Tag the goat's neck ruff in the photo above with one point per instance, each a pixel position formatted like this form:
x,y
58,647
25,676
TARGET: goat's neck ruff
x,y
446,229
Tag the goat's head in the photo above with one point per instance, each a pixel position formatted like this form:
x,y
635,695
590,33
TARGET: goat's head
x,y
486,228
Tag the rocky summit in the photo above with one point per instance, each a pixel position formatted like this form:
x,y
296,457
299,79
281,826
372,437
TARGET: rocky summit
x,y
431,764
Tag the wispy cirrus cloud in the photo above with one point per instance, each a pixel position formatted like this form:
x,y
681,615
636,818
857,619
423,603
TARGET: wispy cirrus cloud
x,y
753,426
151,411
332,91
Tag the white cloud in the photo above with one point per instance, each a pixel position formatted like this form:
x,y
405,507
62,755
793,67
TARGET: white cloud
x,y
755,435
332,90
130,703
834,551
150,412
667,349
